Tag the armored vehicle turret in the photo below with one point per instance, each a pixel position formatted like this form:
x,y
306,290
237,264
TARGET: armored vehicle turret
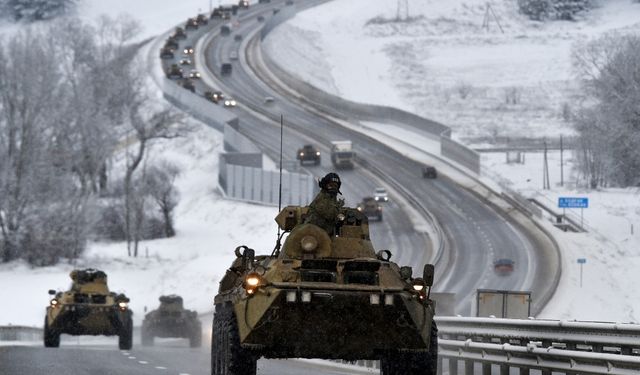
x,y
88,308
323,295
171,319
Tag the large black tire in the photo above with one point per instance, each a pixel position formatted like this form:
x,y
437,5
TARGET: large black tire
x,y
51,337
227,356
146,336
406,363
125,340
195,336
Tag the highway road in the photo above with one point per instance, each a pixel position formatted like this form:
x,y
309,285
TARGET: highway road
x,y
476,232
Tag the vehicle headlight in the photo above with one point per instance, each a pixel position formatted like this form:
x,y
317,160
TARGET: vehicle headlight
x,y
318,153
302,154
252,282
309,243
122,305
54,302
418,287
359,209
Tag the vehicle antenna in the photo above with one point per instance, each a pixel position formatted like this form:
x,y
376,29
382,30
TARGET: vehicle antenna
x,y
276,250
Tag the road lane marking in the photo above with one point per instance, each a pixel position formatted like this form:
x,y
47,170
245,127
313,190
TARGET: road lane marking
x,y
132,357
143,362
161,368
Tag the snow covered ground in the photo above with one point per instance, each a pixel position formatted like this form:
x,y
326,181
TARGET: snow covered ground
x,y
425,66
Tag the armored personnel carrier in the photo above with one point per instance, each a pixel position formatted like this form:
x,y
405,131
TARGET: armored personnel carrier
x,y
171,319
324,296
88,308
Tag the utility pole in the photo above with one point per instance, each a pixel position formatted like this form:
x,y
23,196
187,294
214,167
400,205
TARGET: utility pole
x,y
488,14
546,185
403,10
561,163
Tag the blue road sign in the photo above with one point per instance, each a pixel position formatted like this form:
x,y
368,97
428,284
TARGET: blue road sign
x,y
573,202
582,260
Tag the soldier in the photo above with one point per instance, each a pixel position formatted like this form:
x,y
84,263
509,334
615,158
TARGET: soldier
x,y
325,207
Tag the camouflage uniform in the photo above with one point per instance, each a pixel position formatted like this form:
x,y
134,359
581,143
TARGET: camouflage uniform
x,y
323,211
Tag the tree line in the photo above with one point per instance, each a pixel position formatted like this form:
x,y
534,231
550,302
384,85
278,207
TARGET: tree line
x,y
72,98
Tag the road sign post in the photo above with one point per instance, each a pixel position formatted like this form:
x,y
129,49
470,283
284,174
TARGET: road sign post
x,y
574,202
581,262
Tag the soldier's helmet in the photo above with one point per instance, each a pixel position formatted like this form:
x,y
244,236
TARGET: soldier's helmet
x,y
325,183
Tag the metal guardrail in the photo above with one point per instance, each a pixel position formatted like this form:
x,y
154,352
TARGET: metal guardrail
x,y
567,347
558,346
20,333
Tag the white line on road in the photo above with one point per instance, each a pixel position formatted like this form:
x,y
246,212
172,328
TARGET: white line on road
x,y
132,357
161,368
143,362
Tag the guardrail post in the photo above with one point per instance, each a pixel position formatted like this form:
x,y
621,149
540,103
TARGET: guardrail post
x,y
453,366
486,369
468,367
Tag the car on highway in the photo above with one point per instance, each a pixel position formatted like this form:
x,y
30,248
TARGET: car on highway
x,y
171,319
268,100
214,96
185,61
237,37
503,266
188,50
260,18
171,43
243,4
429,171
380,194
230,102
194,74
233,55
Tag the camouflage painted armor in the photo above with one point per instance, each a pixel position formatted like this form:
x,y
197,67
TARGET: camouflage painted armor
x,y
323,211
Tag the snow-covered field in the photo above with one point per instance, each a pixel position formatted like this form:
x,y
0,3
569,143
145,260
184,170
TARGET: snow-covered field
x,y
424,66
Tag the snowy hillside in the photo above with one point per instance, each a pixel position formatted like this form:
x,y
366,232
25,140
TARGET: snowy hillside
x,y
424,66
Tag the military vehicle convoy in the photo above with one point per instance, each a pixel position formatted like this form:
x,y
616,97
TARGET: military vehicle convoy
x,y
171,319
322,296
88,308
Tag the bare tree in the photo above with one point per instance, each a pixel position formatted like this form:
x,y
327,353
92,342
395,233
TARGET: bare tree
x,y
160,185
609,121
162,124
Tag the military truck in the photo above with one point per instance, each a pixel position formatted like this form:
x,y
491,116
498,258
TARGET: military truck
x,y
88,308
191,23
166,53
174,72
171,319
342,154
225,69
179,33
188,84
308,153
370,208
323,296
